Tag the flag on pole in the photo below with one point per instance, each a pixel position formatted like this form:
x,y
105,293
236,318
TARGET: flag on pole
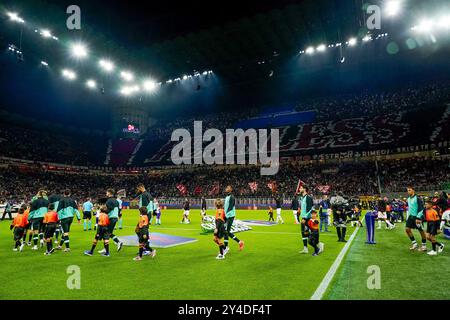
x,y
299,184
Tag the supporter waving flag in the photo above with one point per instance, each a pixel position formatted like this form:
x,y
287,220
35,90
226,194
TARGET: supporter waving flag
x,y
253,186
182,188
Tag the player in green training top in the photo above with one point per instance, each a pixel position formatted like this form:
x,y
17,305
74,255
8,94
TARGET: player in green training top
x,y
306,208
414,219
230,214
112,206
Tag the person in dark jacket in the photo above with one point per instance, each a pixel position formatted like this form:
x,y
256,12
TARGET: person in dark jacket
x,y
295,208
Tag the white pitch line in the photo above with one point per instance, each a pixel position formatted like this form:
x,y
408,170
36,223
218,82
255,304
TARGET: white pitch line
x,y
333,269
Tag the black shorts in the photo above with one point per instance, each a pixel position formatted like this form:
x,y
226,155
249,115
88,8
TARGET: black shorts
x,y
411,223
87,215
102,233
143,235
433,227
65,224
313,238
36,224
18,233
220,226
112,225
120,213
50,229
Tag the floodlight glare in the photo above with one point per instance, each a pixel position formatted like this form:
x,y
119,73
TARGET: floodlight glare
x,y
393,7
44,63
444,22
205,73
424,26
69,74
310,50
185,77
149,85
46,33
15,17
79,50
91,84
367,38
127,76
352,42
321,48
106,65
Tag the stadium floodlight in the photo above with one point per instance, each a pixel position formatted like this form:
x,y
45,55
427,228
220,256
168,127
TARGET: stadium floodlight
x,y
129,90
444,22
46,33
310,50
393,7
149,85
185,77
55,38
69,74
169,81
205,73
79,50
367,38
352,42
15,17
127,76
106,65
424,26
91,84
321,48
44,63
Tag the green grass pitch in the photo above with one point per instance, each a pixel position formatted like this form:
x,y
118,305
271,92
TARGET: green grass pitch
x,y
269,267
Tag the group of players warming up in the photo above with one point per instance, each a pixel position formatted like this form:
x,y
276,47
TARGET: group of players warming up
x,y
48,217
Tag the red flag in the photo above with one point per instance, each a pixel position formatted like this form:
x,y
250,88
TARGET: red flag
x,y
215,189
197,190
272,185
253,186
182,188
324,188
299,184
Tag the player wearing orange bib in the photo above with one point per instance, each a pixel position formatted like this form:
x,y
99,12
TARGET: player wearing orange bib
x,y
432,218
102,232
50,224
19,224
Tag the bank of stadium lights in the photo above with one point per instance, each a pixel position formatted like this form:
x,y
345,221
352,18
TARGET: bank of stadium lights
x,y
91,84
427,26
321,48
15,17
352,42
129,90
46,34
106,65
68,74
149,85
309,50
393,7
127,76
44,63
79,50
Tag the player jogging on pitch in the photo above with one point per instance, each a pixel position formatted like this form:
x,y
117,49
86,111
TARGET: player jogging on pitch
x,y
414,219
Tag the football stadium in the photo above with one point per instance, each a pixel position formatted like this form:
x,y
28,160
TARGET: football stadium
x,y
253,150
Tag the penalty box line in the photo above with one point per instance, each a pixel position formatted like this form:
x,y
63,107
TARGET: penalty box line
x,y
320,291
